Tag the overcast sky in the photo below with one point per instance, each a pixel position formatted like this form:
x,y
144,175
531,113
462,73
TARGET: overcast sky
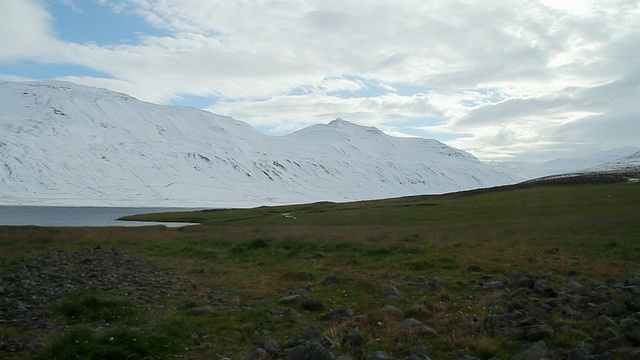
x,y
522,80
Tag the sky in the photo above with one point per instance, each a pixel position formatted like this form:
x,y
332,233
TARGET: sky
x,y
504,80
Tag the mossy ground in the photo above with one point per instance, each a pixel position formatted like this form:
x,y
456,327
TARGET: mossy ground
x,y
243,261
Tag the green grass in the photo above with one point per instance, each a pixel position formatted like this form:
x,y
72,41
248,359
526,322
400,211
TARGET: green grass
x,y
89,306
242,261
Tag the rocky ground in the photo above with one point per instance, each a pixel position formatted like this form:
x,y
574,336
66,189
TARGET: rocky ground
x,y
48,278
525,307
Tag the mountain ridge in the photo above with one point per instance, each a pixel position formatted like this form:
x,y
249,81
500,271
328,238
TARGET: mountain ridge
x,y
68,144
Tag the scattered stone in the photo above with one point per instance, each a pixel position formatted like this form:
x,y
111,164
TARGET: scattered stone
x,y
606,320
290,298
195,338
34,283
573,286
201,310
535,351
312,305
381,355
393,312
312,334
309,351
331,279
417,353
566,310
542,287
258,354
391,293
204,346
270,345
612,309
413,326
631,328
291,315
302,292
580,352
340,313
537,332
351,338
434,284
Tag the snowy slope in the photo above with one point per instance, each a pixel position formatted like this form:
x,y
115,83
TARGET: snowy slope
x,y
66,144
629,163
563,165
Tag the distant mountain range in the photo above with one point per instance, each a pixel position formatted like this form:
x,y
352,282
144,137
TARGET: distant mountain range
x,y
563,165
66,144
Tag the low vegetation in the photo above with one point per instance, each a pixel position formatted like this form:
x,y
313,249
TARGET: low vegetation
x,y
440,252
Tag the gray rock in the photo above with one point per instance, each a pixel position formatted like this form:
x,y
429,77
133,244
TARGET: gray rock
x,y
270,346
567,311
391,293
312,334
633,354
434,284
195,338
573,286
291,315
381,355
631,328
634,290
616,342
290,298
606,320
352,338
535,351
302,292
309,351
493,285
331,279
537,332
414,326
393,312
201,310
258,354
338,314
542,287
604,356
580,352
501,321
417,353
612,309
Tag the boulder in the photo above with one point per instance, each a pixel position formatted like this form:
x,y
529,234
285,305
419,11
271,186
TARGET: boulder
x,y
391,293
631,328
381,355
535,351
309,351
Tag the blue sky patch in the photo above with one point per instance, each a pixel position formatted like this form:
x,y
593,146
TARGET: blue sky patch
x,y
92,22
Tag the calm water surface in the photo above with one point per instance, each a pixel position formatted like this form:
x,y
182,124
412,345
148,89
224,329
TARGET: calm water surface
x,y
78,216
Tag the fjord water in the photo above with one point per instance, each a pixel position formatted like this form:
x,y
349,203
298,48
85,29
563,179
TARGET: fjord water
x,y
78,216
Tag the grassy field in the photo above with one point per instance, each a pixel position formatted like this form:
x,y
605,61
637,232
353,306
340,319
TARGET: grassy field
x,y
243,261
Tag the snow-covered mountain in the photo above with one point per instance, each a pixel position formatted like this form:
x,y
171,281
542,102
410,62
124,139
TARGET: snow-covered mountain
x,y
563,165
627,164
66,144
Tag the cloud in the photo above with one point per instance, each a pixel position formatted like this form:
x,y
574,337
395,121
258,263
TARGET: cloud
x,y
499,78
25,30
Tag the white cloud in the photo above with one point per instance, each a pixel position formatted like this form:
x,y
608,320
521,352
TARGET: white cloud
x,y
499,76
25,30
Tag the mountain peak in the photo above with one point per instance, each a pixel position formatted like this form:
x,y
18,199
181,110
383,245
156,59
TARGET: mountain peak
x,y
68,144
344,125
